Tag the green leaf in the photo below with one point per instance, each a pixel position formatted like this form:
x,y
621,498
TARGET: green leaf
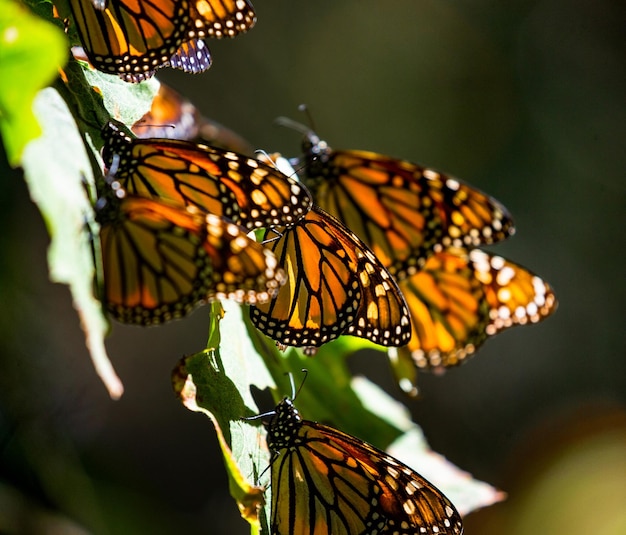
x,y
95,97
31,52
125,102
217,382
57,170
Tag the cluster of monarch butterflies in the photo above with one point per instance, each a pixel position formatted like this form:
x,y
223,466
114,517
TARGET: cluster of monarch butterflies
x,y
363,244
135,38
387,252
379,248
424,227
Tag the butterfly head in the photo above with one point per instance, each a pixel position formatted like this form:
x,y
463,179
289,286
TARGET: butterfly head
x,y
282,429
115,139
114,129
316,151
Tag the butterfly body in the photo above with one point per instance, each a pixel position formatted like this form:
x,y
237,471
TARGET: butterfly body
x,y
325,481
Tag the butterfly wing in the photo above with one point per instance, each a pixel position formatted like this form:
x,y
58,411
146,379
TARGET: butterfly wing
x,y
383,316
221,18
131,39
161,261
192,57
448,309
401,210
334,286
171,116
325,481
157,171
459,299
266,197
257,194
99,4
515,295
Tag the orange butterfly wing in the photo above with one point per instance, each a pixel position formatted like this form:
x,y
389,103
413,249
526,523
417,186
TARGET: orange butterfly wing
x,y
458,300
172,116
334,286
221,18
161,261
215,180
132,40
402,211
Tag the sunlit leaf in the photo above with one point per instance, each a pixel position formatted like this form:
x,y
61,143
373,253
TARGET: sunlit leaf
x,y
31,52
217,383
57,170
125,102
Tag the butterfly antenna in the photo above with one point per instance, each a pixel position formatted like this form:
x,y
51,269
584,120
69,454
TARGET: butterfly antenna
x,y
142,124
294,393
293,125
297,126
293,386
305,109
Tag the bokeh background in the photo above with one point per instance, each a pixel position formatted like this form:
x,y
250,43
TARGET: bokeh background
x,y
523,99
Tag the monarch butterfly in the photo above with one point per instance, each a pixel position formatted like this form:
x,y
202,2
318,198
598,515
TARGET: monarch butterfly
x,y
458,300
401,210
334,286
174,117
325,481
161,261
135,39
255,194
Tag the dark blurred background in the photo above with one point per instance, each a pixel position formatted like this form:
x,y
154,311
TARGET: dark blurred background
x,y
523,99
